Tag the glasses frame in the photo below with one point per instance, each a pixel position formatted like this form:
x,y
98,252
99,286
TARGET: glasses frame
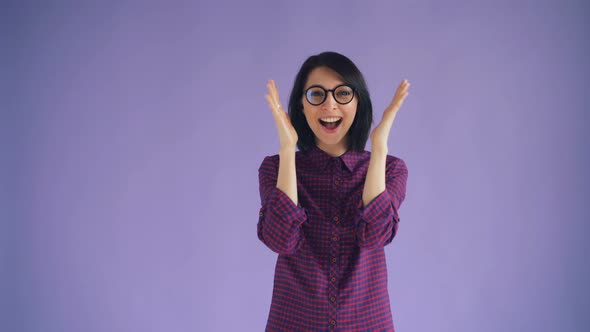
x,y
326,93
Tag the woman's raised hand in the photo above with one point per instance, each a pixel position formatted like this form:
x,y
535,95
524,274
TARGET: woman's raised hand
x,y
287,134
380,134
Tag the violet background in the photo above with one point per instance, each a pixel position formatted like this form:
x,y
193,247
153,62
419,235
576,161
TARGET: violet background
x,y
132,133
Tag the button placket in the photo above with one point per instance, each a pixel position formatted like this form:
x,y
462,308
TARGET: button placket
x,y
337,179
335,239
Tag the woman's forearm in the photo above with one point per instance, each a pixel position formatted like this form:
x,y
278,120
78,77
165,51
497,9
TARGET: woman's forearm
x,y
375,181
287,177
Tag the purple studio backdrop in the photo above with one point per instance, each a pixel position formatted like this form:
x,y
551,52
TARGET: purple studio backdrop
x,y
132,133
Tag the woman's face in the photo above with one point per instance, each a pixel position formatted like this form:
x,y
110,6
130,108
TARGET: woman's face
x,y
329,136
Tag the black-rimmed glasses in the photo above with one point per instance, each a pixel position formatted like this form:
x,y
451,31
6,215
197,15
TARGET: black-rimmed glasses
x,y
316,94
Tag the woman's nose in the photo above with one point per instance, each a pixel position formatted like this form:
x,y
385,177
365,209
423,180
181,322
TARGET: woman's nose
x,y
330,102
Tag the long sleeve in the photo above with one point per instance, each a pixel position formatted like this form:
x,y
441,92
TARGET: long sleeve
x,y
280,220
377,223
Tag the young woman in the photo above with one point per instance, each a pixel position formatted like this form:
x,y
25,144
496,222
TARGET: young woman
x,y
329,209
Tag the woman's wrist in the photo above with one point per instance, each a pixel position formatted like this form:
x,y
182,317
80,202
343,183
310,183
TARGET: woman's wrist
x,y
378,148
287,150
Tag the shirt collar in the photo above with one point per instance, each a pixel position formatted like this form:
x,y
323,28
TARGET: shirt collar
x,y
321,159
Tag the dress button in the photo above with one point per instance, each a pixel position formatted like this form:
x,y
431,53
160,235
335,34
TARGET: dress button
x,y
261,214
333,322
334,238
332,279
337,182
333,259
336,218
333,299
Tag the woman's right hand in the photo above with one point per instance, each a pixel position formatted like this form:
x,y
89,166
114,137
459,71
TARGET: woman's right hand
x,y
287,134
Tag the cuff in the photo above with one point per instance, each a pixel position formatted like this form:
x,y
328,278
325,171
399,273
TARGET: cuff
x,y
282,206
380,209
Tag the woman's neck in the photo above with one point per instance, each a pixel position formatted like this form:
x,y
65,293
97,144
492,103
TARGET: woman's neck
x,y
334,150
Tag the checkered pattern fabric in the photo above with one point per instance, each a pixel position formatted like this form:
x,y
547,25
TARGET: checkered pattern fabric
x,y
331,272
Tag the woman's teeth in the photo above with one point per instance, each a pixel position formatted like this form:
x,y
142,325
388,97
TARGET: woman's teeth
x,y
330,119
331,122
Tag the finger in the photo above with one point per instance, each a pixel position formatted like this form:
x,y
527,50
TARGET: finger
x,y
403,87
275,91
400,90
400,102
405,84
274,100
279,115
397,103
275,95
271,104
270,88
400,99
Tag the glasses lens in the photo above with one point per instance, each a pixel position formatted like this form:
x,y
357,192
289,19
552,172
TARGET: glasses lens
x,y
343,94
315,95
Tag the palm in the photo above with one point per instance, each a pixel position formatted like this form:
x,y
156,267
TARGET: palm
x,y
287,134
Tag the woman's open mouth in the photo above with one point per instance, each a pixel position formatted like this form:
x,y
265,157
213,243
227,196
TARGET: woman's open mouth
x,y
330,124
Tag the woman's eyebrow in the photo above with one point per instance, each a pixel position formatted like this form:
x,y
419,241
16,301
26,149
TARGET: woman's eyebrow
x,y
323,86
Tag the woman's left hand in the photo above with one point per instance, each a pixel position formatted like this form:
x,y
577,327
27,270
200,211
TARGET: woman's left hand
x,y
380,134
